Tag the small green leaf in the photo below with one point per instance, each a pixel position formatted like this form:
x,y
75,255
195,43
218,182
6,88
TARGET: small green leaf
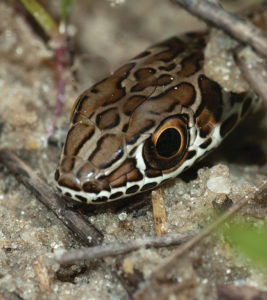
x,y
250,240
65,9
42,17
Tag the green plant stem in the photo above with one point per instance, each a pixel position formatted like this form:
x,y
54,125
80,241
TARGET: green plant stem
x,y
42,17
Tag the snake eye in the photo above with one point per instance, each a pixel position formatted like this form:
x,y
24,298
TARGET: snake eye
x,y
167,146
169,142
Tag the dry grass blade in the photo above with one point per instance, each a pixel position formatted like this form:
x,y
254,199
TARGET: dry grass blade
x,y
41,273
159,212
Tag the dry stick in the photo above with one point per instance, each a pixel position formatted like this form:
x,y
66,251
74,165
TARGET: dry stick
x,y
114,249
44,193
163,269
254,72
244,292
235,26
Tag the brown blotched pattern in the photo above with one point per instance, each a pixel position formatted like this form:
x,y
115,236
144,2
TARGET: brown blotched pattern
x,y
146,123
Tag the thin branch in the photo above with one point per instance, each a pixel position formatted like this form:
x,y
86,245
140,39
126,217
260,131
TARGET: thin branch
x,y
238,28
114,249
44,193
232,292
254,71
160,273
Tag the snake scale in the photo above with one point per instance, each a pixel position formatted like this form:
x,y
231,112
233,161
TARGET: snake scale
x,y
146,123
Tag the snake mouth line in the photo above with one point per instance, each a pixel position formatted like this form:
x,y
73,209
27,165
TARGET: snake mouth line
x,y
146,123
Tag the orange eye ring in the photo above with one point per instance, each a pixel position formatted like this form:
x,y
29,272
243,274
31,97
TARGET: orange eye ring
x,y
167,146
171,129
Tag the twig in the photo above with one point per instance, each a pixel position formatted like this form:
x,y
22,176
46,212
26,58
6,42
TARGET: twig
x,y
232,292
5,294
238,28
254,72
115,249
166,266
44,193
129,278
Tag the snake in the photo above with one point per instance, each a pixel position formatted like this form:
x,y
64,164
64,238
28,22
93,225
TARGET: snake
x,y
146,123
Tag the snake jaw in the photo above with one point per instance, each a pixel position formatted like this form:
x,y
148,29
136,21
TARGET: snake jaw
x,y
146,123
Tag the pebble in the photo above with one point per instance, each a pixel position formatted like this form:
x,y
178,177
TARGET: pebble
x,y
219,184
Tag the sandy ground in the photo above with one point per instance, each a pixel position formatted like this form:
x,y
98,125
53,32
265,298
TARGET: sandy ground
x,y
103,37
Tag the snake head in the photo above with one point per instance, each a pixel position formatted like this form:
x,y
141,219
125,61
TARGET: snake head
x,y
146,123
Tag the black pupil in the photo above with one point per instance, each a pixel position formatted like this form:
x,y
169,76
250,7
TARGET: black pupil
x,y
169,142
